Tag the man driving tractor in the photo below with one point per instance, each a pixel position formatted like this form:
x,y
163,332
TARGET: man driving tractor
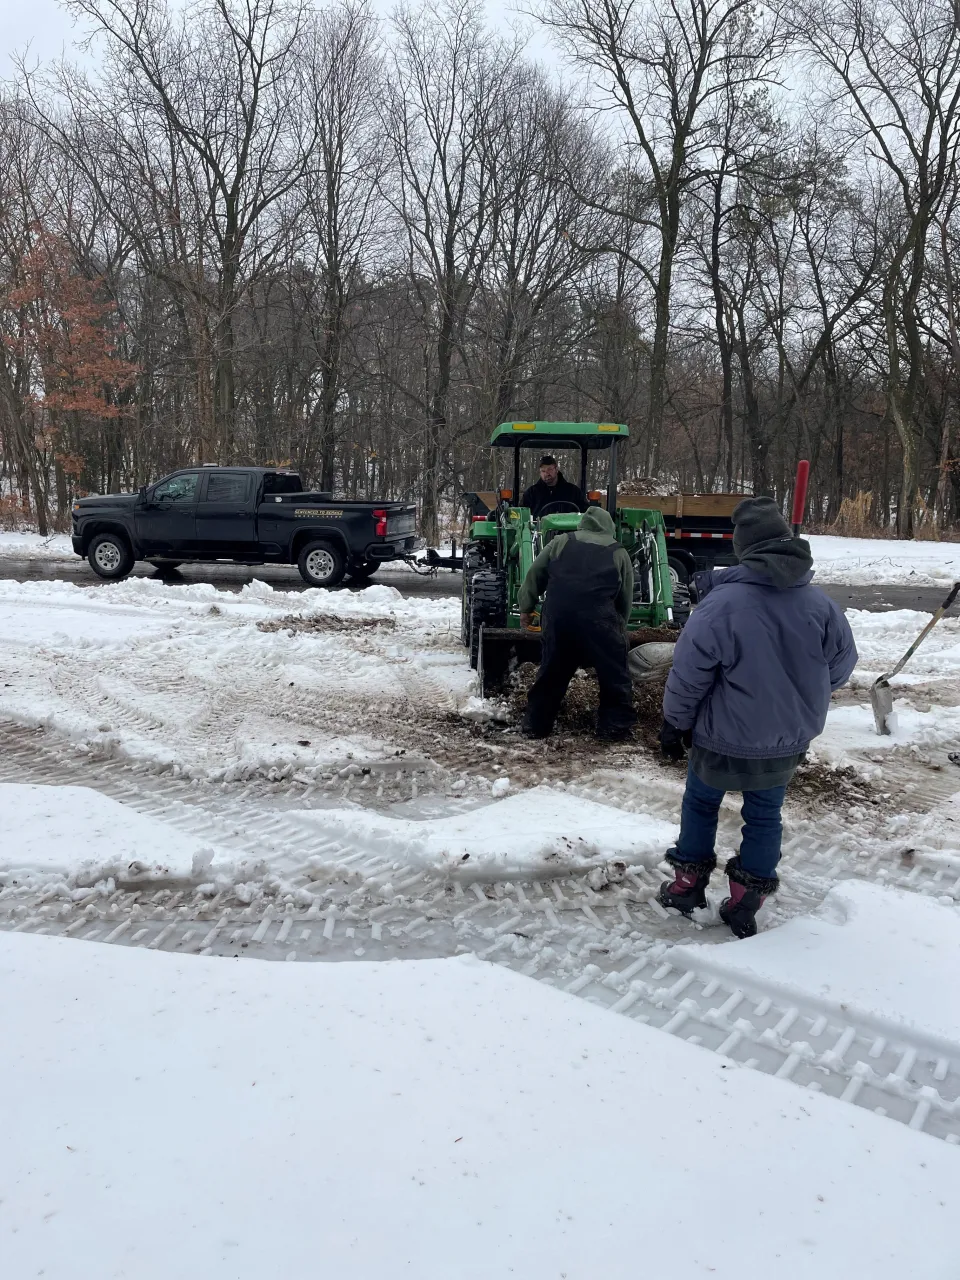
x,y
584,623
552,488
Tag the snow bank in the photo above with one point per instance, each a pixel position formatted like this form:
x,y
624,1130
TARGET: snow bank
x,y
30,546
234,1120
882,954
539,832
852,729
873,562
883,638
73,834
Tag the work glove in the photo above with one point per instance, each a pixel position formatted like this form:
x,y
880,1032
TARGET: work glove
x,y
673,741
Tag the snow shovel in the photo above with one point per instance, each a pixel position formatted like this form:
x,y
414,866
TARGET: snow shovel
x,y
881,695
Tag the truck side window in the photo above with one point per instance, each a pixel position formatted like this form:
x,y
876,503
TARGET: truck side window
x,y
229,487
178,489
282,482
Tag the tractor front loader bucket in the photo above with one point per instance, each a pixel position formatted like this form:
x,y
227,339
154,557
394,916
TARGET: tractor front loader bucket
x,y
502,650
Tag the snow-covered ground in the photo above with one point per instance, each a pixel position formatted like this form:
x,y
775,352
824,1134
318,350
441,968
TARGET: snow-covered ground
x,y
872,952
215,1119
871,562
258,777
185,678
30,546
228,686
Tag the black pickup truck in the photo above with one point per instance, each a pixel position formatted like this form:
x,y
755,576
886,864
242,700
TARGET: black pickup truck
x,y
249,515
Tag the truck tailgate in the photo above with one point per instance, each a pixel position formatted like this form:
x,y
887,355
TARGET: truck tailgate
x,y
401,522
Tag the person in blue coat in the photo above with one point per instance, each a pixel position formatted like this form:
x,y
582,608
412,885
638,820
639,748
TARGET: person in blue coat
x,y
749,689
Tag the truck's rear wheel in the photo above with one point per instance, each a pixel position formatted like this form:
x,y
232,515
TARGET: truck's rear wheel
x,y
321,564
165,566
110,557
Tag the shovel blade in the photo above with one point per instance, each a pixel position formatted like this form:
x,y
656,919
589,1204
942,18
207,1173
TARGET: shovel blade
x,y
881,696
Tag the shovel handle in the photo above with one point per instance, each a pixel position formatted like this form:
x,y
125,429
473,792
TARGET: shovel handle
x,y
954,591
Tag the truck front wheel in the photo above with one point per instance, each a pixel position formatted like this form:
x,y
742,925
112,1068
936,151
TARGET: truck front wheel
x,y
321,564
110,557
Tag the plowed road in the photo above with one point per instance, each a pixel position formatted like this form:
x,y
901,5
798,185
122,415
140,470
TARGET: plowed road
x,y
230,577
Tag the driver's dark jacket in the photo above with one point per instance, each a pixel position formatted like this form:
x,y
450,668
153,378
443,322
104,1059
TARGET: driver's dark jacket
x,y
540,494
597,528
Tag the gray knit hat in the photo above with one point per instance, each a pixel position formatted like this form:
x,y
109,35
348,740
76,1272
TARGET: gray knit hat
x,y
757,520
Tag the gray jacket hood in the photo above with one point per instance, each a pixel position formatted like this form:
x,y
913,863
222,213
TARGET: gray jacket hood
x,y
783,560
598,520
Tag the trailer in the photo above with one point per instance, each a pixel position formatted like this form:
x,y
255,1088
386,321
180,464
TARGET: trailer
x,y
698,529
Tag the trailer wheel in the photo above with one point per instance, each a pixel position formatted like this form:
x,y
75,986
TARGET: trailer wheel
x,y
488,607
321,564
679,571
110,556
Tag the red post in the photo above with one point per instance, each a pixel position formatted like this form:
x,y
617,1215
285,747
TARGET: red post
x,y
800,494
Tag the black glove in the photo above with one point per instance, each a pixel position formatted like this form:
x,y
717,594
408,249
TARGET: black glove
x,y
673,741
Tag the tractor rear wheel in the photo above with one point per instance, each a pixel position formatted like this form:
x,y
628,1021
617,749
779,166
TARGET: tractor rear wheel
x,y
472,561
488,606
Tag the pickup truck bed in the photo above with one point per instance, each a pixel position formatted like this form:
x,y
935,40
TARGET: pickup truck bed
x,y
248,515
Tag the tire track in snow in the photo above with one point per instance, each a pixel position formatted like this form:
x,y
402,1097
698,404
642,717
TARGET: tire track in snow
x,y
608,946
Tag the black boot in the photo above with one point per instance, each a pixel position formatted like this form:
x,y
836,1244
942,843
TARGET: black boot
x,y
615,733
530,729
687,890
747,895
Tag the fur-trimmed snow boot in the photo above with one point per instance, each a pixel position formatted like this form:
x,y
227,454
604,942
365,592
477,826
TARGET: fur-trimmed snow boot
x,y
747,895
687,890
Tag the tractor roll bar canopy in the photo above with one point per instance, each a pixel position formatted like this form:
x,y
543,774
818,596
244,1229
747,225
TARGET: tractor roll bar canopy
x,y
584,436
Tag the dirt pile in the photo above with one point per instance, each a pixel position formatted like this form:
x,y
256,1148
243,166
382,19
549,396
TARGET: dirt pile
x,y
834,788
578,715
295,624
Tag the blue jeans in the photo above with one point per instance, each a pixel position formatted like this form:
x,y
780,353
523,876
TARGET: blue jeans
x,y
762,828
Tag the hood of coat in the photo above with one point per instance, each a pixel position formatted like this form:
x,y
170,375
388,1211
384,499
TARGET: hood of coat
x,y
784,561
598,520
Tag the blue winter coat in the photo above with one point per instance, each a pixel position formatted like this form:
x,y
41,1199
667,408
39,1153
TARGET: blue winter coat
x,y
755,665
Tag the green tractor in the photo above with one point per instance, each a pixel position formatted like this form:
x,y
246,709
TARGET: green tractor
x,y
504,540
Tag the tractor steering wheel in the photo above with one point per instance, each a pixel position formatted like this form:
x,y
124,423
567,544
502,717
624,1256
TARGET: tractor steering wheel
x,y
561,502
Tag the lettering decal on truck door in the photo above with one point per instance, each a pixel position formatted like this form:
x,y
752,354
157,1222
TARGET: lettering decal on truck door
x,y
316,511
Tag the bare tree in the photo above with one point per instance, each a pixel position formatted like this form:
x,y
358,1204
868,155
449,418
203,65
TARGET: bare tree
x,y
343,205
894,69
446,116
215,91
668,66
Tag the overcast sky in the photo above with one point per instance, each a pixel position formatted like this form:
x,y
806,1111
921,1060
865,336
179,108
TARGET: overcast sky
x,y
48,29
40,23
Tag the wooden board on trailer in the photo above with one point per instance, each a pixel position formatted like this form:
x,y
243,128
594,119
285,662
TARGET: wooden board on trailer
x,y
684,505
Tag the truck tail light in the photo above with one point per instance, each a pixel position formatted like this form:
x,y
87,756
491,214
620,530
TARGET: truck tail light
x,y
381,518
